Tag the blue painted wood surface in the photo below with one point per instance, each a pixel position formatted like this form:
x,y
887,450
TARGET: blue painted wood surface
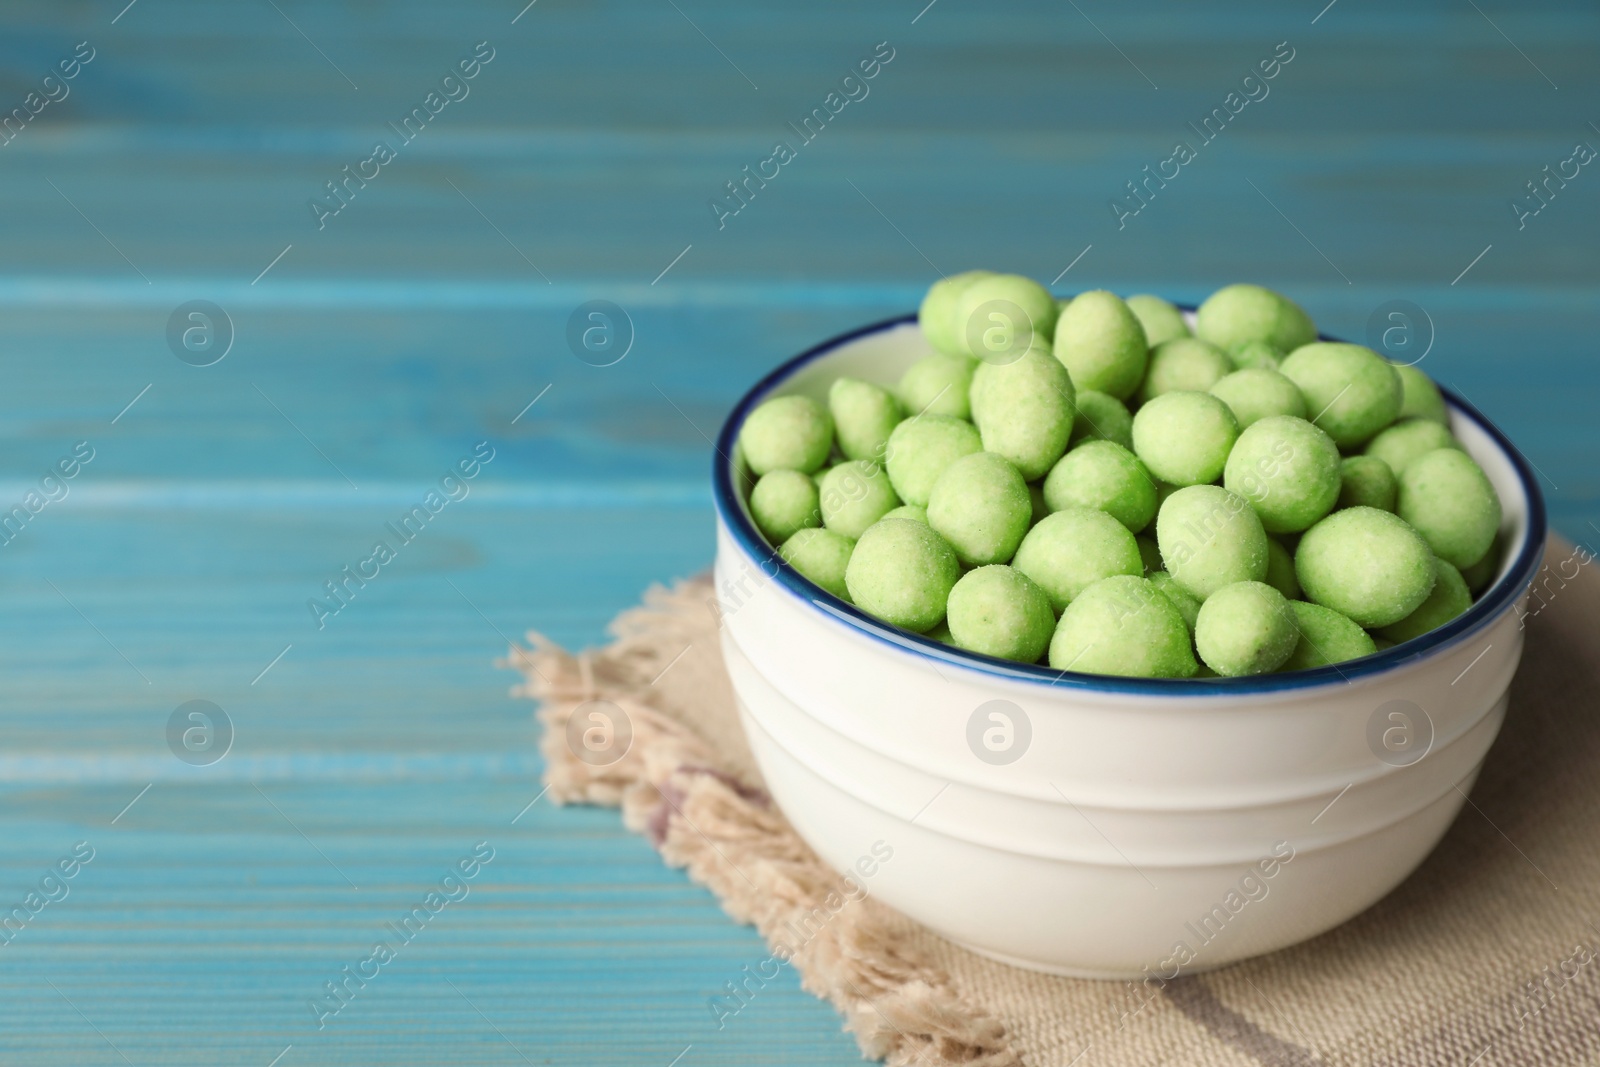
x,y
433,308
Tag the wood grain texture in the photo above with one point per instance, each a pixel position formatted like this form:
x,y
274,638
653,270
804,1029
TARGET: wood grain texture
x,y
427,314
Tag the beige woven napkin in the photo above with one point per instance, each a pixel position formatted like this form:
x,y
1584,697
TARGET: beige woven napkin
x,y
1486,955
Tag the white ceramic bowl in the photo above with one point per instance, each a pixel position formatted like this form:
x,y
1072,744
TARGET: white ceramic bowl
x,y
1096,826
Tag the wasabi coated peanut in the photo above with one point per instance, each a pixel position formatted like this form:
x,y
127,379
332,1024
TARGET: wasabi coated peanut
x,y
980,504
1000,316
1449,501
1149,553
941,634
1254,393
937,315
1161,320
902,572
854,495
1103,475
1420,397
786,433
1024,410
822,556
1187,603
1366,481
784,502
1325,637
1185,438
1238,314
1480,574
938,385
1257,354
1288,470
1070,550
907,511
1366,564
1210,538
1449,598
863,417
1245,628
998,612
1123,625
1407,440
1101,343
1280,570
1351,391
1101,417
921,448
1184,364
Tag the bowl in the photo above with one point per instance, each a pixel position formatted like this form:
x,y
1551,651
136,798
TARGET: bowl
x,y
1098,826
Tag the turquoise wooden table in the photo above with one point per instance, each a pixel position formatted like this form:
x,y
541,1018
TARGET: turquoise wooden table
x,y
394,212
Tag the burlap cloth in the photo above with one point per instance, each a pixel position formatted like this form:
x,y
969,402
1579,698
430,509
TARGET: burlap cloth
x,y
1486,955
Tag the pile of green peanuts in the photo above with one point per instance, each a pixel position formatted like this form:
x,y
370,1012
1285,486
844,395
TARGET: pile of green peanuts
x,y
1091,484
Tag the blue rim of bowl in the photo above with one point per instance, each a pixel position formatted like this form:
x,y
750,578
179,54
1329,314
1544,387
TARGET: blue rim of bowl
x,y
736,520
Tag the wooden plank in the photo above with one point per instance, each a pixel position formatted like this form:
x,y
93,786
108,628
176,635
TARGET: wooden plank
x,y
205,925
